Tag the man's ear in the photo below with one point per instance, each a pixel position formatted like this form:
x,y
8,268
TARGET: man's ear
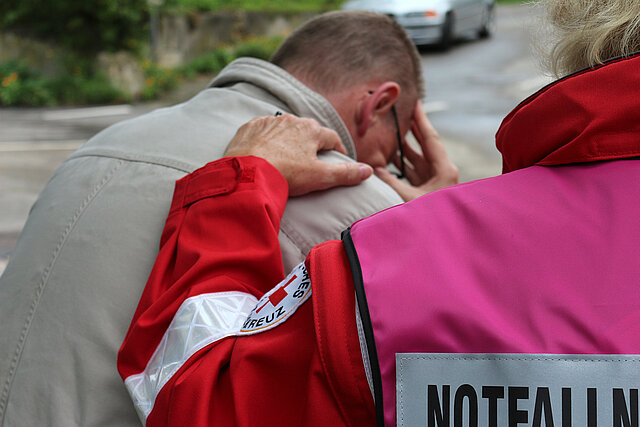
x,y
376,104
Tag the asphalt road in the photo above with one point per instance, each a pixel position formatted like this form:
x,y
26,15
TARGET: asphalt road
x,y
469,90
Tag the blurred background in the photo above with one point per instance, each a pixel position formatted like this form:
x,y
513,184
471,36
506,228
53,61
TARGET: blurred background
x,y
69,69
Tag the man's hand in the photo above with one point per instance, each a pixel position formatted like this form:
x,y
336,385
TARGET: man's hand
x,y
429,171
291,145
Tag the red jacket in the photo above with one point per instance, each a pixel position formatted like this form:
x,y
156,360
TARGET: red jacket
x,y
194,369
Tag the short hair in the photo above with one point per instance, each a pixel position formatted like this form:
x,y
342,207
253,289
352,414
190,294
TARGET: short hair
x,y
336,49
589,32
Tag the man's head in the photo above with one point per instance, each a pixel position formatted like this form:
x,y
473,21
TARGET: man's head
x,y
588,32
364,64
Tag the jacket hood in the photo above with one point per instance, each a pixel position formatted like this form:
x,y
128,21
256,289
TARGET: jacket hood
x,y
588,116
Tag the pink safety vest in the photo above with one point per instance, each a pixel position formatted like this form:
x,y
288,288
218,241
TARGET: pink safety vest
x,y
543,260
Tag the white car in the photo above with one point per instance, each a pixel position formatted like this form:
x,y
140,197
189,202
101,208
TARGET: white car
x,y
438,22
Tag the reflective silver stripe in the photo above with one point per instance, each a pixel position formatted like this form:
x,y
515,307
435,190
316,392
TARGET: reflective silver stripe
x,y
200,321
363,350
517,389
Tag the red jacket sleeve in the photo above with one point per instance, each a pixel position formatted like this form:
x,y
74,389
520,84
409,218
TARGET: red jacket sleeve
x,y
219,254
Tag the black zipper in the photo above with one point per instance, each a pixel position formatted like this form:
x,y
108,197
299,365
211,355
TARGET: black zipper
x,y
358,283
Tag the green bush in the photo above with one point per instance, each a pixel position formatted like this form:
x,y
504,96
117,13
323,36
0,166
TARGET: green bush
x,y
261,48
158,80
23,86
20,85
85,27
81,90
209,63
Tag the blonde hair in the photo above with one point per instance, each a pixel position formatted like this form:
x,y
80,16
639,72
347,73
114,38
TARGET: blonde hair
x,y
589,32
337,49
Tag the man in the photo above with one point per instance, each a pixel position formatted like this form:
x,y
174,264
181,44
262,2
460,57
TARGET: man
x,y
90,241
506,301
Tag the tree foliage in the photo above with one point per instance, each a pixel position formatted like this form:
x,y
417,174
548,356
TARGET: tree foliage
x,y
85,27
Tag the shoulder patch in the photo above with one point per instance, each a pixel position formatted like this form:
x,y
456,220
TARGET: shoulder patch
x,y
279,303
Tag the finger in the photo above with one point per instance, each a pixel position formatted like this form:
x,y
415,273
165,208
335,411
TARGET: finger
x,y
344,173
418,112
396,161
415,130
328,139
409,171
405,191
428,137
322,176
418,169
412,176
323,137
412,155
243,142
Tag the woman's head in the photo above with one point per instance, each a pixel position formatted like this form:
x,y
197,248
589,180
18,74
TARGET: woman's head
x,y
588,32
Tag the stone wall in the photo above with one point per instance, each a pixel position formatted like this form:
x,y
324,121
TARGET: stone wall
x,y
182,38
38,54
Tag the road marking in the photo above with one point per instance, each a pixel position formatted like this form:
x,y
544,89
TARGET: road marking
x,y
85,113
28,146
3,265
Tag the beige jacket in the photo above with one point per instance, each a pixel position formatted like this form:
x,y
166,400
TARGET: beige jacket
x,y
70,290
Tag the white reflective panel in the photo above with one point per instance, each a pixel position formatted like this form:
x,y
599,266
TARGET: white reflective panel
x,y
201,320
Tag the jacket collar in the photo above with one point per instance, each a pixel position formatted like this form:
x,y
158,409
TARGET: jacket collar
x,y
590,115
301,100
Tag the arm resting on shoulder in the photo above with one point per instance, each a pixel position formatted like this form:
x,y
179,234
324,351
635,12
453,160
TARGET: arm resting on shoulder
x,y
219,254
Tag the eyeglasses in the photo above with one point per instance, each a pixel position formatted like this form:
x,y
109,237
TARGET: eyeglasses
x,y
403,171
